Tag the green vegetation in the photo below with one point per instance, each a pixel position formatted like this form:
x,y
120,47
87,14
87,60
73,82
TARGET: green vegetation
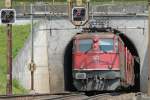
x,y
19,2
98,2
72,0
122,2
20,34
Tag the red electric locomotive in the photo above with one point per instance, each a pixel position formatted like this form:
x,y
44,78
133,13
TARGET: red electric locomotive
x,y
101,62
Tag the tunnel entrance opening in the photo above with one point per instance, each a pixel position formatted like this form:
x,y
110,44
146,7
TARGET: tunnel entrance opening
x,y
68,67
129,44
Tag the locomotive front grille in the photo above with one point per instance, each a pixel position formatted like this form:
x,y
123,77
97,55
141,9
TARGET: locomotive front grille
x,y
106,74
96,80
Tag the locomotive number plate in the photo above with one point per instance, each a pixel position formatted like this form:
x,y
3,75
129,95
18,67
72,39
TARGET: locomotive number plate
x,y
80,75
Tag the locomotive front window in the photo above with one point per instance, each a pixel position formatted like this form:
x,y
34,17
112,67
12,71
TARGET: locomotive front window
x,y
106,45
85,45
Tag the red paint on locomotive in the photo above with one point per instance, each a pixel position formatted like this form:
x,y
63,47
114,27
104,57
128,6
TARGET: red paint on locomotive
x,y
95,58
103,52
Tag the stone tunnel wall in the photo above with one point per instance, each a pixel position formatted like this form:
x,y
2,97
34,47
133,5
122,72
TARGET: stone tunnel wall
x,y
57,43
139,37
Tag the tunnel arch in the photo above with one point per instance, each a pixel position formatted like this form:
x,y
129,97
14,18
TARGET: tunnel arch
x,y
68,80
130,45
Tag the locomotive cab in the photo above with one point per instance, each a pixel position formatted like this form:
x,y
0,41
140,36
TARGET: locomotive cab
x,y
96,62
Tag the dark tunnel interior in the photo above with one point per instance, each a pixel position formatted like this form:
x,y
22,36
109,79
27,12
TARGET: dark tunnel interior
x,y
128,43
68,67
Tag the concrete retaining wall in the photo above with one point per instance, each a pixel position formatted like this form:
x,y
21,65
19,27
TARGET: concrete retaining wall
x,y
48,56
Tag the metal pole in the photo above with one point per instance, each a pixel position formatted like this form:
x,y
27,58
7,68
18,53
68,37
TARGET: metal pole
x,y
24,8
92,13
32,33
32,49
9,59
148,92
79,2
8,5
53,2
88,6
69,9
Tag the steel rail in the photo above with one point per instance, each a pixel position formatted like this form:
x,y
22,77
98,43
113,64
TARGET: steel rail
x,y
99,96
66,97
105,95
33,95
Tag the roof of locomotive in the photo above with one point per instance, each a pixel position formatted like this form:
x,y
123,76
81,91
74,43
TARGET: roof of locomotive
x,y
91,35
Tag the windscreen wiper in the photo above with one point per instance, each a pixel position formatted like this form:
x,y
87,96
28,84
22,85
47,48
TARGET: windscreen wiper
x,y
88,50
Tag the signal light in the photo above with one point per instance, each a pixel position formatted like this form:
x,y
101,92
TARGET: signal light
x,y
8,16
79,14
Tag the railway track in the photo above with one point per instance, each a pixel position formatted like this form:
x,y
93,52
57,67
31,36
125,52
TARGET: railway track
x,y
71,96
113,96
99,96
61,96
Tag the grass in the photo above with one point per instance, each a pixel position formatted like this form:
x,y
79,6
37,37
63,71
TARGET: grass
x,y
20,34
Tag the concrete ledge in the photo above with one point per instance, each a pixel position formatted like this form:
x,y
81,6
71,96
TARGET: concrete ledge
x,y
143,97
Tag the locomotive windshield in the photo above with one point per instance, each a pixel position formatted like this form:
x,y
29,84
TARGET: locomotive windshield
x,y
85,45
106,45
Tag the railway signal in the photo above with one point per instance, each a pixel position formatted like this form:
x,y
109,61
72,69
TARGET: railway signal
x,y
8,16
79,14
